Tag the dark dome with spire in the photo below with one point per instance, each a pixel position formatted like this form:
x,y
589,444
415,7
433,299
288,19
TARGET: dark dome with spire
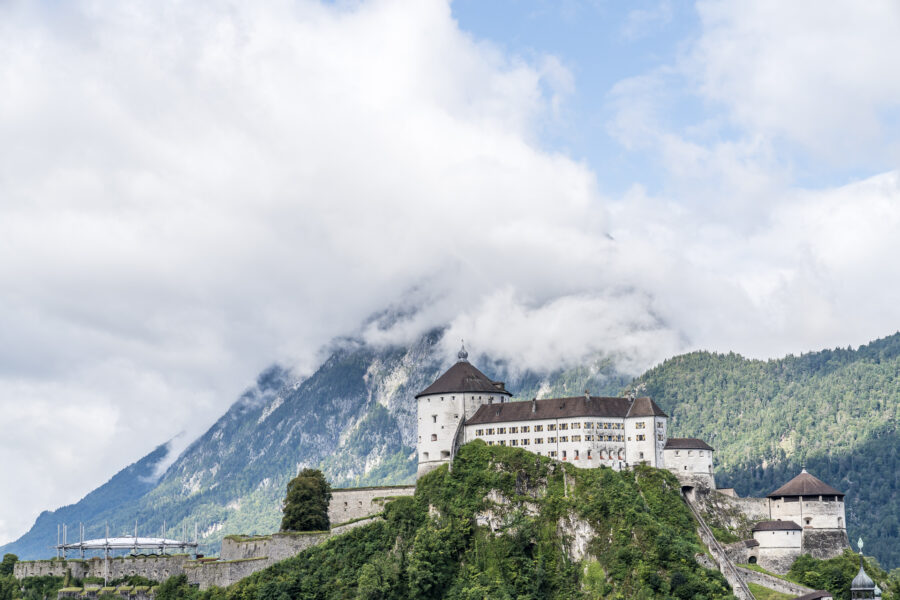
x,y
862,581
463,377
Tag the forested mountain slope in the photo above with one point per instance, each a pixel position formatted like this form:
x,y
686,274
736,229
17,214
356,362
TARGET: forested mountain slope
x,y
834,412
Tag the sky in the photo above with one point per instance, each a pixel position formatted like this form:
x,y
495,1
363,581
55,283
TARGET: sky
x,y
191,191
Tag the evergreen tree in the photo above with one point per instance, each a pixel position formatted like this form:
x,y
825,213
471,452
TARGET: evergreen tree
x,y
306,502
9,561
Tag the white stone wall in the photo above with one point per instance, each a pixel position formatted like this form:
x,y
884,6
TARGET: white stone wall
x,y
585,442
778,550
768,540
810,513
642,441
439,417
688,462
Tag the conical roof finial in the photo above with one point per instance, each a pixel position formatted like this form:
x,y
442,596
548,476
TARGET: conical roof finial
x,y
463,355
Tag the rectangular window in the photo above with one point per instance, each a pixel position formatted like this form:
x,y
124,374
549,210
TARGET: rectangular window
x,y
588,425
659,436
588,437
490,431
501,430
589,454
576,425
659,424
491,443
551,440
538,440
576,438
641,437
563,438
551,427
524,441
563,426
479,432
552,453
576,455
640,425
538,427
514,430
526,428
564,455
513,443
501,443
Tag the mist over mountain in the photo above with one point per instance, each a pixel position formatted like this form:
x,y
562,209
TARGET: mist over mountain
x,y
835,412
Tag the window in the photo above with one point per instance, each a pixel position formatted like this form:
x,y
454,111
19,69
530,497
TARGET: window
x,y
424,457
640,425
538,440
501,443
552,453
641,437
564,455
551,440
490,431
563,426
445,454
588,437
514,430
551,427
524,441
576,425
589,454
576,438
501,430
491,443
563,438
479,432
690,452
641,455
526,428
659,424
677,452
659,437
588,425
538,427
433,437
576,455
434,418
513,442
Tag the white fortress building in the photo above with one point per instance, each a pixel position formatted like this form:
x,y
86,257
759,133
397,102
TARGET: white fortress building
x,y
588,431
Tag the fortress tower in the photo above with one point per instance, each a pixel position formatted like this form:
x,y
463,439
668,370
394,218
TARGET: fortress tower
x,y
819,510
444,406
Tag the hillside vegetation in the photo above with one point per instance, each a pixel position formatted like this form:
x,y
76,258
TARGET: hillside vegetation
x,y
834,412
501,525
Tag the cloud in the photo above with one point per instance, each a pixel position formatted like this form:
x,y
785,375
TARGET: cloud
x,y
190,192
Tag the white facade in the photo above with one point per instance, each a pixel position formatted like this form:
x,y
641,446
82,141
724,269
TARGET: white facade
x,y
440,420
810,512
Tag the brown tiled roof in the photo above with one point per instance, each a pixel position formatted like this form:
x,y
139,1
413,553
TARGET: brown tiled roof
x,y
815,595
463,377
776,526
555,408
750,543
805,484
645,407
687,444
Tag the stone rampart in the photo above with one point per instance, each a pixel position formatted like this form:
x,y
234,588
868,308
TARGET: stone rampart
x,y
275,547
773,583
125,591
223,573
158,568
357,503
825,543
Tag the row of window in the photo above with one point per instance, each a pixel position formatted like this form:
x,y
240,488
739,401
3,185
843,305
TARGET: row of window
x,y
550,427
588,437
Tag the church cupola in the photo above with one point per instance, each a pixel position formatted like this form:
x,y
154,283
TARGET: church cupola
x,y
862,587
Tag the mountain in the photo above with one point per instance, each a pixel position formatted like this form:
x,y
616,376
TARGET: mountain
x,y
835,412
354,418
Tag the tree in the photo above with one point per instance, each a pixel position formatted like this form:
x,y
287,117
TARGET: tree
x,y
306,502
9,561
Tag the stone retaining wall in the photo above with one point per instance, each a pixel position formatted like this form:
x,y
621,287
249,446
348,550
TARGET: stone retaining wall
x,y
773,583
356,503
158,568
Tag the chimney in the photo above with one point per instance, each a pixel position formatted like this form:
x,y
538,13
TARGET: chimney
x,y
533,405
587,395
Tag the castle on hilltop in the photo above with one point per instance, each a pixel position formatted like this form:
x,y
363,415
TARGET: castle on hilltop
x,y
588,431
805,515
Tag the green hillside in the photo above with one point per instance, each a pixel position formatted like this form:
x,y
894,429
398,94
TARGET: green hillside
x,y
834,412
433,547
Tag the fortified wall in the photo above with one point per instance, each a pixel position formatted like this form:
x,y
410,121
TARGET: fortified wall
x,y
158,568
349,504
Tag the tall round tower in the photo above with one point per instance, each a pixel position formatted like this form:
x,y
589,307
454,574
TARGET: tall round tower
x,y
444,406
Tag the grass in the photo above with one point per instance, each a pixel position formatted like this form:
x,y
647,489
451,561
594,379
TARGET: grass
x,y
763,593
759,569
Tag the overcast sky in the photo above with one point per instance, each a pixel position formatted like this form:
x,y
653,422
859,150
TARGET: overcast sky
x,y
190,191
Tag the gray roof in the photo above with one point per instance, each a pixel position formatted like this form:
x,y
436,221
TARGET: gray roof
x,y
805,484
463,377
862,581
776,526
687,444
559,408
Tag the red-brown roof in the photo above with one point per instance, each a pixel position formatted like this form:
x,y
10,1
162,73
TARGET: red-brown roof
x,y
805,484
645,407
463,377
687,444
559,408
776,526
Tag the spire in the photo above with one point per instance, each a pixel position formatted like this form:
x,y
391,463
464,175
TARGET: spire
x,y
862,583
462,355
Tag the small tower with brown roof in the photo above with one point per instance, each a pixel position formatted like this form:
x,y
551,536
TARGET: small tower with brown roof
x,y
444,406
818,508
